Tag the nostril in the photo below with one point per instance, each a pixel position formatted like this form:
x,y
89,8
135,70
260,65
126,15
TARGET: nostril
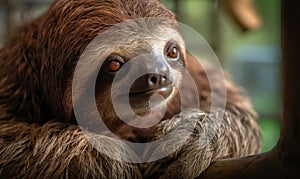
x,y
153,80
163,79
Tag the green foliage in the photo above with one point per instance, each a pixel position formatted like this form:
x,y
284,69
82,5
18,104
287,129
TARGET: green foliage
x,y
270,133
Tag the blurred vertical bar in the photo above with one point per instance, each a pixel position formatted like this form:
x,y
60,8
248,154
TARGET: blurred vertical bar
x,y
16,12
3,20
215,30
177,7
290,138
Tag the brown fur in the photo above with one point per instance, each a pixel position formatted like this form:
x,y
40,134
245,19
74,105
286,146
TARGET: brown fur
x,y
38,134
57,150
238,135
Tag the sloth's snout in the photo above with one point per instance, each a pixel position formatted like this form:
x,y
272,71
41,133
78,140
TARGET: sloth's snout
x,y
157,81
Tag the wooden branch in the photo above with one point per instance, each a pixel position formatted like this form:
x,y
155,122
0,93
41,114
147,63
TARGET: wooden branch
x,y
243,12
283,160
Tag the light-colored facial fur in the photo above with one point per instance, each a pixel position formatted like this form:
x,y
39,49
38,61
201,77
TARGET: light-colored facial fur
x,y
133,42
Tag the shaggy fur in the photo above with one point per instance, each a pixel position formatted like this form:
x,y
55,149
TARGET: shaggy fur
x,y
38,134
214,137
57,150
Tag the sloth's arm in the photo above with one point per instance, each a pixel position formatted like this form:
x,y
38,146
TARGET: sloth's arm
x,y
57,150
214,137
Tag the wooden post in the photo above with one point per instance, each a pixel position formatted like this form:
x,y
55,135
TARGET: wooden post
x,y
284,160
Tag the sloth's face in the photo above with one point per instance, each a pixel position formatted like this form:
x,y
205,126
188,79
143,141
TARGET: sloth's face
x,y
144,76
135,72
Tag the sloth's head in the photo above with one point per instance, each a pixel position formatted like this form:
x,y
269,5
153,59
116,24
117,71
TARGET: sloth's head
x,y
142,71
153,48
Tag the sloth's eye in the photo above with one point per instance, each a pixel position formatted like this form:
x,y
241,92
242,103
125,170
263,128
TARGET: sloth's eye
x,y
114,63
173,52
114,66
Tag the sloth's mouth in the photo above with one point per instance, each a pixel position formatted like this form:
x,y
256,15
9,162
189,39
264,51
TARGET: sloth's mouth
x,y
140,100
163,91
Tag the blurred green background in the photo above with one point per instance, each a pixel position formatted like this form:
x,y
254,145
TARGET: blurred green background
x,y
252,57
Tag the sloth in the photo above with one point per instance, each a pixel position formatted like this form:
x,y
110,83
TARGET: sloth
x,y
40,134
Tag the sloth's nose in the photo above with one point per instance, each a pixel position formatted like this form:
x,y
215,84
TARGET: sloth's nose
x,y
157,80
161,77
150,82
